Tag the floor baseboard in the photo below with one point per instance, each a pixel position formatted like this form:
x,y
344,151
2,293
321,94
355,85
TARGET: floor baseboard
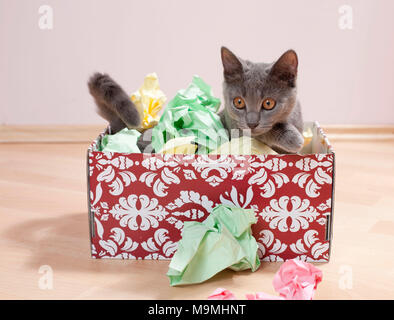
x,y
87,133
49,133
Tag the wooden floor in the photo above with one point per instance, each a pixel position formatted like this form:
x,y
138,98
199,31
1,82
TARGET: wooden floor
x,y
44,222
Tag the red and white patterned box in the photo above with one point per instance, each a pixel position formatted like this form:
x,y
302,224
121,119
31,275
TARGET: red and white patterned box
x,y
138,202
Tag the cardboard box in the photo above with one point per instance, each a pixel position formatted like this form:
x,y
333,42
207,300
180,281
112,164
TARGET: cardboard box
x,y
138,202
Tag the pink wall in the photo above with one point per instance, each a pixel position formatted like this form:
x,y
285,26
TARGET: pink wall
x,y
345,76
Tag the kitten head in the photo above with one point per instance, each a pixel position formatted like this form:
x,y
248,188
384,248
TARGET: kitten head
x,y
259,95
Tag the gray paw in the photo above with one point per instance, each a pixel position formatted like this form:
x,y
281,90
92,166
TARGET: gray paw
x,y
291,141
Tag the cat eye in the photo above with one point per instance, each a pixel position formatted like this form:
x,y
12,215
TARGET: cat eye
x,y
269,103
239,103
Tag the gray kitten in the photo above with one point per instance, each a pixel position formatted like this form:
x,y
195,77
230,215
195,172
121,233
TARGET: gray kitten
x,y
262,98
258,97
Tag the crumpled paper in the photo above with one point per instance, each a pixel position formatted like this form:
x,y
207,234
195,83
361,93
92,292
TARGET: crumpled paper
x,y
192,112
244,145
295,280
222,294
308,136
149,100
124,141
181,145
262,296
223,240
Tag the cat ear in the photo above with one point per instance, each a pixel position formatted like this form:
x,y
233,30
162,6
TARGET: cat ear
x,y
285,69
232,65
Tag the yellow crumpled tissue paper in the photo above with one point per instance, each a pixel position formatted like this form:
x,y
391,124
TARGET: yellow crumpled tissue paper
x,y
149,100
308,135
244,145
180,145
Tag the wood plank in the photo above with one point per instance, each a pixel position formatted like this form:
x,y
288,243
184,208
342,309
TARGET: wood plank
x,y
359,129
44,221
359,132
50,133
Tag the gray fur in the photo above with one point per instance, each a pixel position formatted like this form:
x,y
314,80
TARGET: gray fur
x,y
280,128
113,103
144,142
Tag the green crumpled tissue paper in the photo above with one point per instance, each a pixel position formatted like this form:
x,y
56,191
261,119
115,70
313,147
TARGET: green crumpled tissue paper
x,y
223,240
192,112
124,141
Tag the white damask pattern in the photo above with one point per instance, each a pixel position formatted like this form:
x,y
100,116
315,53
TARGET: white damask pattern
x,y
159,183
149,212
117,242
236,199
187,197
273,164
322,175
318,250
214,170
262,177
268,248
300,214
116,179
268,185
153,244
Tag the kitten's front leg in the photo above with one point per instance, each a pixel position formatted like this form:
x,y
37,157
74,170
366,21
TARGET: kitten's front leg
x,y
286,137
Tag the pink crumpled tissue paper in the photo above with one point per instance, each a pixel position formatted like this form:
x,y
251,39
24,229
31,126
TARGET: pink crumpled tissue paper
x,y
295,280
221,294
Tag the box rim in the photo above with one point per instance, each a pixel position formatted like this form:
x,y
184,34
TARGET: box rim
x,y
95,143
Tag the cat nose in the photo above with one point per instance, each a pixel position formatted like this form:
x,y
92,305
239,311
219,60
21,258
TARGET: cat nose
x,y
252,125
252,119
